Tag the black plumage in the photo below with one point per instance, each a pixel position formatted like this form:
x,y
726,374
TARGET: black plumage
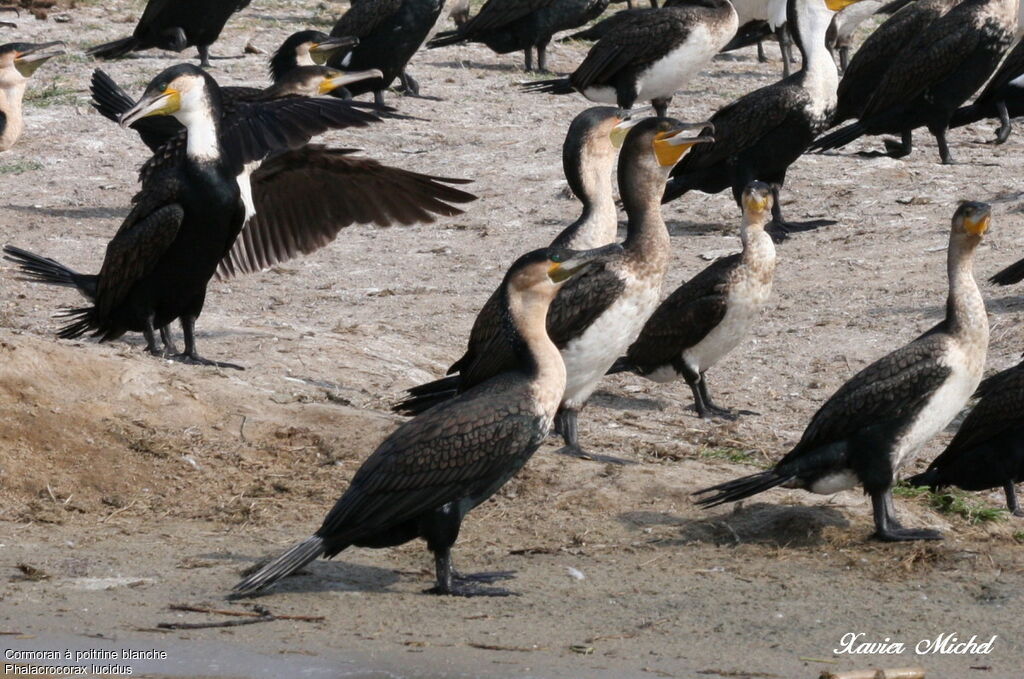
x,y
174,25
433,470
1002,98
988,449
1010,275
887,411
951,58
390,32
512,25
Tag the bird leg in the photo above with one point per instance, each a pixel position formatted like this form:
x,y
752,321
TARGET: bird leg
x,y
1011,499
566,427
189,356
378,97
661,106
902,148
888,529
446,577
1003,133
786,47
718,411
168,339
408,84
705,408
528,58
761,56
204,55
542,57
150,335
944,154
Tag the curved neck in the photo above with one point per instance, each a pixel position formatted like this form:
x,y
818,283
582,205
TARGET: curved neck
x,y
11,122
965,308
758,247
589,174
526,325
641,188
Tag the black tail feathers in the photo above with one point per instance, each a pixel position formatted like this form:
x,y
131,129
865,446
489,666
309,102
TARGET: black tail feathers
x,y
38,269
741,488
445,38
841,137
425,396
556,86
622,365
1010,275
112,50
284,565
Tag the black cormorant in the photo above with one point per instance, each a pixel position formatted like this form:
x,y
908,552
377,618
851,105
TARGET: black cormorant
x,y
988,449
649,56
709,315
925,84
594,319
174,25
758,136
878,421
513,25
424,479
18,61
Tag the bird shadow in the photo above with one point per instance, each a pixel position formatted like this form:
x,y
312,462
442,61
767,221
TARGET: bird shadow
x,y
71,212
606,399
759,524
508,68
323,576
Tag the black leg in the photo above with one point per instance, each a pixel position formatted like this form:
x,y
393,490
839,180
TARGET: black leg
x,y
1011,499
888,529
761,56
566,426
204,55
190,356
168,339
693,381
528,59
150,336
717,411
944,154
378,97
1003,133
785,46
902,148
441,530
542,57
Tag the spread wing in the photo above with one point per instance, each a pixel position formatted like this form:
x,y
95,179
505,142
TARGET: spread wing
x,y
112,102
305,197
637,40
685,317
459,449
897,385
363,17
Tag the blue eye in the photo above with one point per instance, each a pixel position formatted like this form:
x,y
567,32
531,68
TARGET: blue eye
x,y
556,258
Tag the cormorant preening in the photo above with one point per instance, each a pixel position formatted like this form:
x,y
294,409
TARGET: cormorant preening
x,y
189,211
594,319
878,421
390,32
433,470
844,25
879,51
18,61
513,25
709,315
937,73
174,25
649,56
758,136
988,449
1002,98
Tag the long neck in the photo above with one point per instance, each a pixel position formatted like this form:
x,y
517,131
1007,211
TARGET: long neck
x,y
591,182
758,247
965,307
527,324
647,238
11,122
808,22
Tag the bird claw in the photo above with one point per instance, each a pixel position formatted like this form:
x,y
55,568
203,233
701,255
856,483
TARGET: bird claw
x,y
469,591
899,534
195,359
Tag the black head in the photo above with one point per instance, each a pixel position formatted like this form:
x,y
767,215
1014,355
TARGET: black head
x,y
306,48
180,91
26,57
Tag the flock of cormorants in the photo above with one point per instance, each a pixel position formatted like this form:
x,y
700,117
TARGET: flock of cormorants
x,y
212,204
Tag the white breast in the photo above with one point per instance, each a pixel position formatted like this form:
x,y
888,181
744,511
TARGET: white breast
x,y
670,73
589,356
746,299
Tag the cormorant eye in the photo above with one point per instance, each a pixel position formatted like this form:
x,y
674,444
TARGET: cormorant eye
x,y
556,258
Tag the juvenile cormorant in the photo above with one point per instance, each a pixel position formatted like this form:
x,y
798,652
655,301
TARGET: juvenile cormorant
x,y
174,25
649,56
758,136
18,61
988,449
709,315
512,25
424,479
594,319
1002,98
878,421
390,32
936,74
189,210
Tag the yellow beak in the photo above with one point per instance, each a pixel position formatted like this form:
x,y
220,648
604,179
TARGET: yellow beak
x,y
979,227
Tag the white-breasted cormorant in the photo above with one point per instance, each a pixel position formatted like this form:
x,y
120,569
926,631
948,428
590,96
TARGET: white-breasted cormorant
x,y
174,25
594,319
878,421
512,25
308,48
709,315
424,479
758,136
649,56
925,84
189,210
18,61
988,449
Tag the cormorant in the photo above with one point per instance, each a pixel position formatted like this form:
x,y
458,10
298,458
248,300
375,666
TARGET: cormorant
x,y
594,319
424,479
18,61
758,136
988,449
937,73
649,56
844,25
511,25
1002,98
174,25
878,421
709,315
390,32
189,211
308,48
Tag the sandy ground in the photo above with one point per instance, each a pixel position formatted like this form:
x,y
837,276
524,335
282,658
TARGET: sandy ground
x,y
128,484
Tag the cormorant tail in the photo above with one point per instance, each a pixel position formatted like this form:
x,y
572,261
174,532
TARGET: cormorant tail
x,y
622,365
425,396
111,50
107,97
741,488
965,115
286,564
445,38
85,321
38,269
1010,275
556,86
928,478
841,137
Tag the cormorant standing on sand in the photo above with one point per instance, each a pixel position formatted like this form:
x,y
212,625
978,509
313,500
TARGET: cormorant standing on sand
x,y
878,421
424,479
